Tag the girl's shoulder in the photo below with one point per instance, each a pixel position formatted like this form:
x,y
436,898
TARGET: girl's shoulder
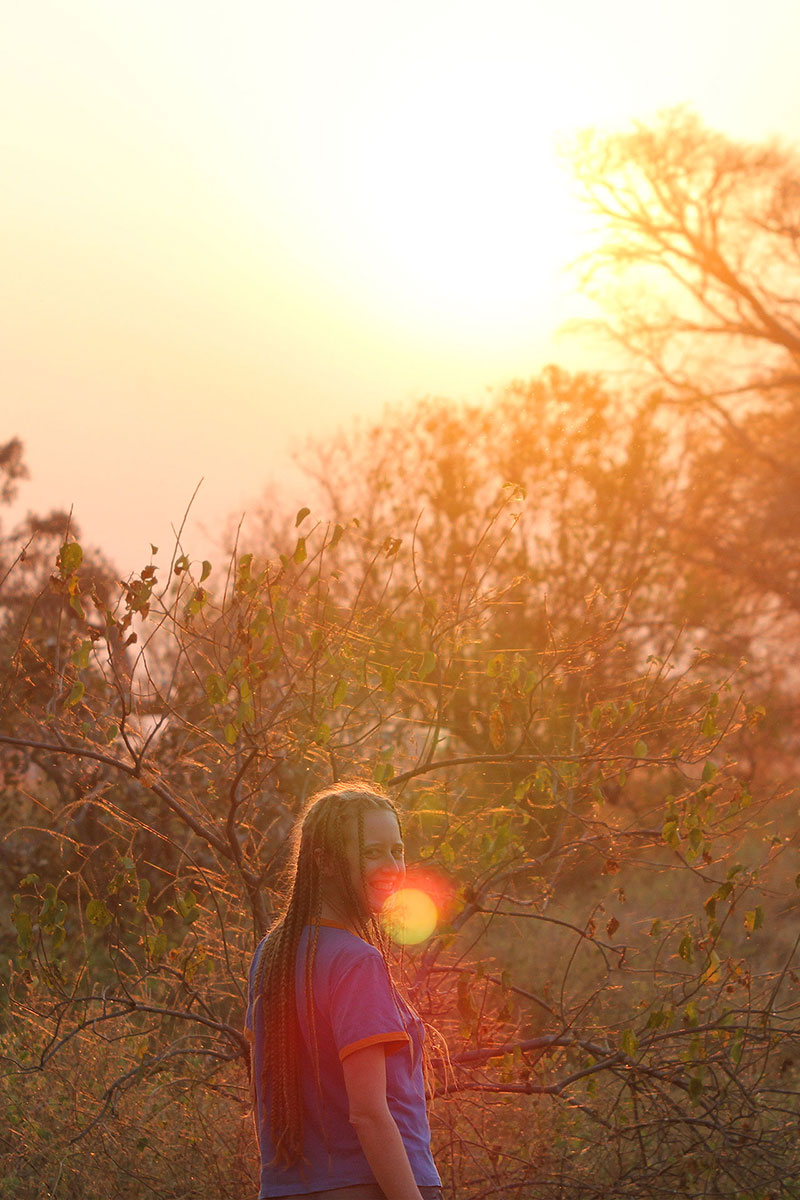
x,y
335,940
337,952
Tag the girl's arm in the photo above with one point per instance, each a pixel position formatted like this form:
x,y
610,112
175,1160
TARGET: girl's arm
x,y
365,1081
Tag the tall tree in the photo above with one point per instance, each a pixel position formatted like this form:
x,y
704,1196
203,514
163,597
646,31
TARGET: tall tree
x,y
698,271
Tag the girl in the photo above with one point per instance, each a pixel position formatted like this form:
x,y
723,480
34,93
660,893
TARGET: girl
x,y
337,1054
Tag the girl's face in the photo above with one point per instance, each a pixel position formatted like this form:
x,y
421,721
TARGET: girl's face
x,y
384,865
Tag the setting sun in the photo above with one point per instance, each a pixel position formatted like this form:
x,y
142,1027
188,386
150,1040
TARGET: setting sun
x,y
454,221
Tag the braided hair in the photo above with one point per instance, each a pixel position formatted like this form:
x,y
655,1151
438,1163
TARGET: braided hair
x,y
320,835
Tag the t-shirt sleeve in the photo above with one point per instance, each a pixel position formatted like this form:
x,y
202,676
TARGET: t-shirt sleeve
x,y
364,1011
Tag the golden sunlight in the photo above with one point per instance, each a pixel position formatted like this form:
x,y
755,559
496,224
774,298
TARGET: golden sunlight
x,y
274,218
421,187
458,216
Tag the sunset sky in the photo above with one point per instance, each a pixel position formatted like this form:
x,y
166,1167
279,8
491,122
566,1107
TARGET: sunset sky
x,y
230,225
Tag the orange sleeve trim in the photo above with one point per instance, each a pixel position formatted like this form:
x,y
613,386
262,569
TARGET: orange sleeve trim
x,y
393,1041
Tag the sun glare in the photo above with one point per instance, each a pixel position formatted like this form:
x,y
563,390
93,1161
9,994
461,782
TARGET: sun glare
x,y
412,913
456,215
426,187
409,916
450,214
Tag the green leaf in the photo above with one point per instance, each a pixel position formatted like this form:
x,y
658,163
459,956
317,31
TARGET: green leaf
x,y
497,728
640,749
695,1089
235,668
231,733
522,788
629,1043
76,695
709,729
215,690
206,571
495,666
711,973
97,913
70,557
302,513
187,907
24,926
300,554
669,833
80,658
709,771
388,679
339,693
144,893
52,911
531,679
260,623
197,602
323,733
427,665
336,536
157,945
686,948
754,919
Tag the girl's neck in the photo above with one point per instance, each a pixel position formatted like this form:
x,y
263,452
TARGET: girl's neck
x,y
337,915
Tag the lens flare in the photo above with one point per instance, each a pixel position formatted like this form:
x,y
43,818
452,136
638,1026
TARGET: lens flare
x,y
435,884
409,916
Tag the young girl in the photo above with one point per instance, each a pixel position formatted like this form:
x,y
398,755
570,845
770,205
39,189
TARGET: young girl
x,y
337,1053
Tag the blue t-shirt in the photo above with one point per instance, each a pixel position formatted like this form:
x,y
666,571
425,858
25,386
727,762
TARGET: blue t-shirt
x,y
354,1007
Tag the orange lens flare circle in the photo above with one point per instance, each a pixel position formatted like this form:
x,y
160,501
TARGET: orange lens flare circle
x,y
409,916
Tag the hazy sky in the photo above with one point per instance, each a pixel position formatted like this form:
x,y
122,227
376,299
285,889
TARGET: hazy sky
x,y
229,225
